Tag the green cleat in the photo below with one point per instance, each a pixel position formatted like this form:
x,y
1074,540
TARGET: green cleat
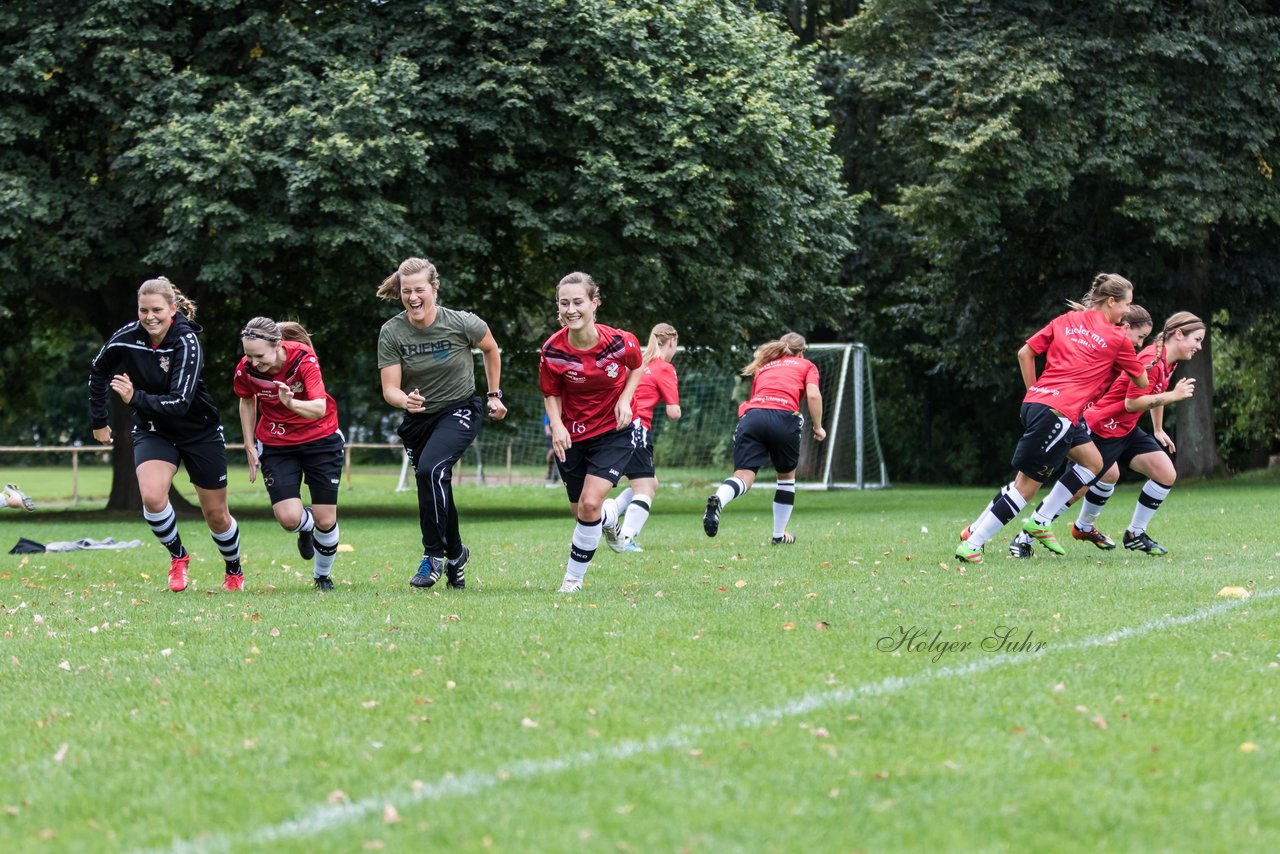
x,y
968,553
1044,536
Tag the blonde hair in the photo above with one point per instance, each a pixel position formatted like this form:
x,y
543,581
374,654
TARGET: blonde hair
x,y
390,287
1105,286
659,335
791,344
584,279
266,329
172,295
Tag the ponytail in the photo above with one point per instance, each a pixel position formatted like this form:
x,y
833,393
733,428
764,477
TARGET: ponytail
x,y
791,344
658,338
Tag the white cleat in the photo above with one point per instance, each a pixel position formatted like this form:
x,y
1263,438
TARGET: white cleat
x,y
570,585
613,533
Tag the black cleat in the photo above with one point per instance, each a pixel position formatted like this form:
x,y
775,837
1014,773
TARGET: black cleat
x,y
455,570
1022,547
324,582
711,519
429,572
1143,543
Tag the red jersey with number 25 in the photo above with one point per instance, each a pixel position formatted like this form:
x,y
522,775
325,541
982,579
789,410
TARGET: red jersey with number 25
x,y
1108,418
780,384
588,382
1081,351
277,424
658,383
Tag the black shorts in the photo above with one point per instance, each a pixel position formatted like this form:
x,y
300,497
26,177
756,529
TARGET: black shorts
x,y
205,458
1079,435
1122,449
1044,443
604,456
641,464
767,435
320,461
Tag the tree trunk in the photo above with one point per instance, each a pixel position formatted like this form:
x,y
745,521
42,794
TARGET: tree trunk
x,y
1196,437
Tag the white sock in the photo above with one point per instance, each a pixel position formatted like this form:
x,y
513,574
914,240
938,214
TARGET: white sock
x,y
1153,495
729,490
326,550
1091,506
624,499
784,501
586,539
637,515
1002,512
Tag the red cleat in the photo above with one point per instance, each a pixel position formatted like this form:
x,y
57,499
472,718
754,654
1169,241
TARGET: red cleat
x,y
233,582
178,573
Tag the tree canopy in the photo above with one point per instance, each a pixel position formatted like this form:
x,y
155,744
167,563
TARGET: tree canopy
x,y
281,158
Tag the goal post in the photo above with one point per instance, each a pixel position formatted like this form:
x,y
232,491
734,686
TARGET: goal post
x,y
698,447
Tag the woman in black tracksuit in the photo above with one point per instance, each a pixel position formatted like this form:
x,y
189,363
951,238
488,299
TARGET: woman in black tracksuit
x,y
156,366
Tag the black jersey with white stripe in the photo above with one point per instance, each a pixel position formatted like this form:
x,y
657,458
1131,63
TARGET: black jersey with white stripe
x,y
169,394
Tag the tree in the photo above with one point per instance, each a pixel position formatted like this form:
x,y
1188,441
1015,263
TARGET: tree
x,y
1014,149
280,158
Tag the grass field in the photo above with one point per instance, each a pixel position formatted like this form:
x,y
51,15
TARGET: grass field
x,y
705,695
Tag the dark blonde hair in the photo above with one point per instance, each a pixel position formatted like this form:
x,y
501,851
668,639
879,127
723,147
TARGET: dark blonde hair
x,y
1180,321
390,287
266,329
791,344
1137,316
659,335
172,295
588,283
1105,286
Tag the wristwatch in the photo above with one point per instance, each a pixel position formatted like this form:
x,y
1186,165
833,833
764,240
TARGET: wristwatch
x,y
496,395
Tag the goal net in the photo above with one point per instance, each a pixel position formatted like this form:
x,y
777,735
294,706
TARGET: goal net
x,y
698,447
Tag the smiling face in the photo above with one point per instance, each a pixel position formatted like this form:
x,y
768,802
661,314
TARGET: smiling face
x,y
156,315
1137,333
266,358
576,310
1114,308
1184,345
418,297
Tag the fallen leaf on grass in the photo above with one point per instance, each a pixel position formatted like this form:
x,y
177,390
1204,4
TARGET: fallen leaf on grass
x,y
528,723
62,752
275,633
788,626
389,815
1234,592
740,583
1248,747
822,625
337,796
65,665
369,704
1100,722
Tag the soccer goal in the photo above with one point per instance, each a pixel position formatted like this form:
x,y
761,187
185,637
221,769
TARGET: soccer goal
x,y
700,445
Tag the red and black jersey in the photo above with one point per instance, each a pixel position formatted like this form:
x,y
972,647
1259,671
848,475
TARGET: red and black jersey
x,y
588,382
277,424
780,384
658,383
1108,417
1081,350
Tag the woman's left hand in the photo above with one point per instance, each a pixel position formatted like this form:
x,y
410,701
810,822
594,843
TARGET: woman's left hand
x,y
123,386
623,413
497,409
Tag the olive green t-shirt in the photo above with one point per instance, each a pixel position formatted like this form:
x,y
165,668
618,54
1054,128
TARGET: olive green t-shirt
x,y
437,361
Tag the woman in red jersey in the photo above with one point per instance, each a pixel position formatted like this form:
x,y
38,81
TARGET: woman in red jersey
x,y
156,366
1082,349
769,428
588,374
1113,421
658,382
1077,470
290,426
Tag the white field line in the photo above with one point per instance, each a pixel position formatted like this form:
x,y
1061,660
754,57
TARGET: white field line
x,y
328,817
